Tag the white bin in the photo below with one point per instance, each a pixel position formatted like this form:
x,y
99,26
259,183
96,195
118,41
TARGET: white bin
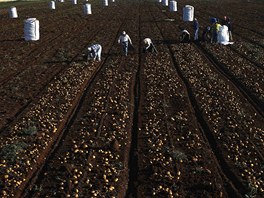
x,y
13,12
165,2
105,2
74,2
87,9
31,29
188,13
173,6
52,5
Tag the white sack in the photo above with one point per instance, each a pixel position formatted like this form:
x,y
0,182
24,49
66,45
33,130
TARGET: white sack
x,y
13,12
87,9
223,35
165,2
105,2
31,29
52,5
173,6
188,13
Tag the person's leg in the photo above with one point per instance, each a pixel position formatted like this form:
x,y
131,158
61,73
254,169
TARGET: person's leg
x,y
125,48
230,36
99,53
215,37
196,35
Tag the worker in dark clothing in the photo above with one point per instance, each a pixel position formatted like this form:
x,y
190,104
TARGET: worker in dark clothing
x,y
227,22
196,29
206,34
185,36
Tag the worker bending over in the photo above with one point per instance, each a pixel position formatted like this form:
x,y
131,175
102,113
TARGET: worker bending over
x,y
149,46
94,51
185,36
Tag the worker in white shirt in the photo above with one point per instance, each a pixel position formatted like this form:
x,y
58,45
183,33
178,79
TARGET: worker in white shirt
x,y
94,51
149,46
125,40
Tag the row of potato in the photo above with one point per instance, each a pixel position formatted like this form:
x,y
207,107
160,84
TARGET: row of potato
x,y
27,143
93,158
37,129
248,74
230,120
173,152
236,127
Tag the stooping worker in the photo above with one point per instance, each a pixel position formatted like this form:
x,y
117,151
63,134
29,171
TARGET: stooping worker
x,y
149,46
124,40
185,36
94,51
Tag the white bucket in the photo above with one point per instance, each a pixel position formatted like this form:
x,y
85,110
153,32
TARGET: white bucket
x,y
159,1
31,29
87,9
61,1
188,13
113,1
52,5
74,2
173,6
13,12
105,2
165,2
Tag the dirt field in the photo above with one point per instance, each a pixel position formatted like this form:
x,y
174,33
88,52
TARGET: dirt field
x,y
186,122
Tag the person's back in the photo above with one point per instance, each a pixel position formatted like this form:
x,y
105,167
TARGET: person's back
x,y
94,51
148,46
214,29
217,27
185,36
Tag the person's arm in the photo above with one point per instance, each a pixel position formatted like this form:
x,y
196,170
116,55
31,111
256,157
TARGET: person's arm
x,y
148,44
129,39
119,39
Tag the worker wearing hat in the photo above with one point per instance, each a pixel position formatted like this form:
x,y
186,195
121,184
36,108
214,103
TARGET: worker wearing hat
x,y
124,40
94,51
